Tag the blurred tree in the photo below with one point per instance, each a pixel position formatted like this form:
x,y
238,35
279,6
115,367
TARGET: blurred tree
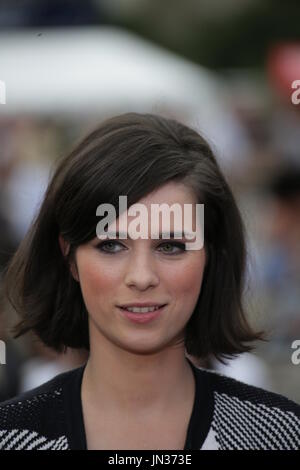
x,y
215,34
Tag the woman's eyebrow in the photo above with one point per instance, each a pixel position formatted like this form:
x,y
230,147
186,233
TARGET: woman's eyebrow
x,y
162,235
179,234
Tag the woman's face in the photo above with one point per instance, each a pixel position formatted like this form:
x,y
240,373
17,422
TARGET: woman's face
x,y
157,271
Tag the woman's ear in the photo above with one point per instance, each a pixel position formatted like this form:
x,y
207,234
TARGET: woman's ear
x,y
65,248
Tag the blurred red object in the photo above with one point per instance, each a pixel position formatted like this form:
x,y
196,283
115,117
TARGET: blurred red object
x,y
283,67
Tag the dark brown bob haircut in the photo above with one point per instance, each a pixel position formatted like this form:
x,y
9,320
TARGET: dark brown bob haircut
x,y
131,154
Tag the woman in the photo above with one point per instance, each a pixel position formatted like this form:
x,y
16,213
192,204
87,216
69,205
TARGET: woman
x,y
139,305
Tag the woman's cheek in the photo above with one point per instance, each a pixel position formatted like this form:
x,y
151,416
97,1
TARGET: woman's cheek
x,y
187,278
97,278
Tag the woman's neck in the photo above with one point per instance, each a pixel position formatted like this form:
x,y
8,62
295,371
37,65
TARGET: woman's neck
x,y
120,380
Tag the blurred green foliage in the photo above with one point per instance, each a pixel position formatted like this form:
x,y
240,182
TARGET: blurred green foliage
x,y
223,35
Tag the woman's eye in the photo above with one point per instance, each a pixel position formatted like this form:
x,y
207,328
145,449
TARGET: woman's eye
x,y
110,246
172,248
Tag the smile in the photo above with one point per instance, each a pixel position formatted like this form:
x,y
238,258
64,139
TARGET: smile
x,y
142,314
141,309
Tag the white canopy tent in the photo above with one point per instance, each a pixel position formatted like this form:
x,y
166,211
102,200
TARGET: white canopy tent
x,y
91,69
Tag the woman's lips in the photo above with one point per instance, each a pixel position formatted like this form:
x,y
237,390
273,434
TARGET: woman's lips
x,y
142,317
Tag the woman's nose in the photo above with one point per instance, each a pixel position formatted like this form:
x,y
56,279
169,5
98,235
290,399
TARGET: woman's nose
x,y
141,272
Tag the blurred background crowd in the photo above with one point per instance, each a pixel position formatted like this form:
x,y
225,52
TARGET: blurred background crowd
x,y
225,68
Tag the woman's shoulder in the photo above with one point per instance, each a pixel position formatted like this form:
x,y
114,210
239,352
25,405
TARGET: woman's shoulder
x,y
225,385
35,419
249,417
